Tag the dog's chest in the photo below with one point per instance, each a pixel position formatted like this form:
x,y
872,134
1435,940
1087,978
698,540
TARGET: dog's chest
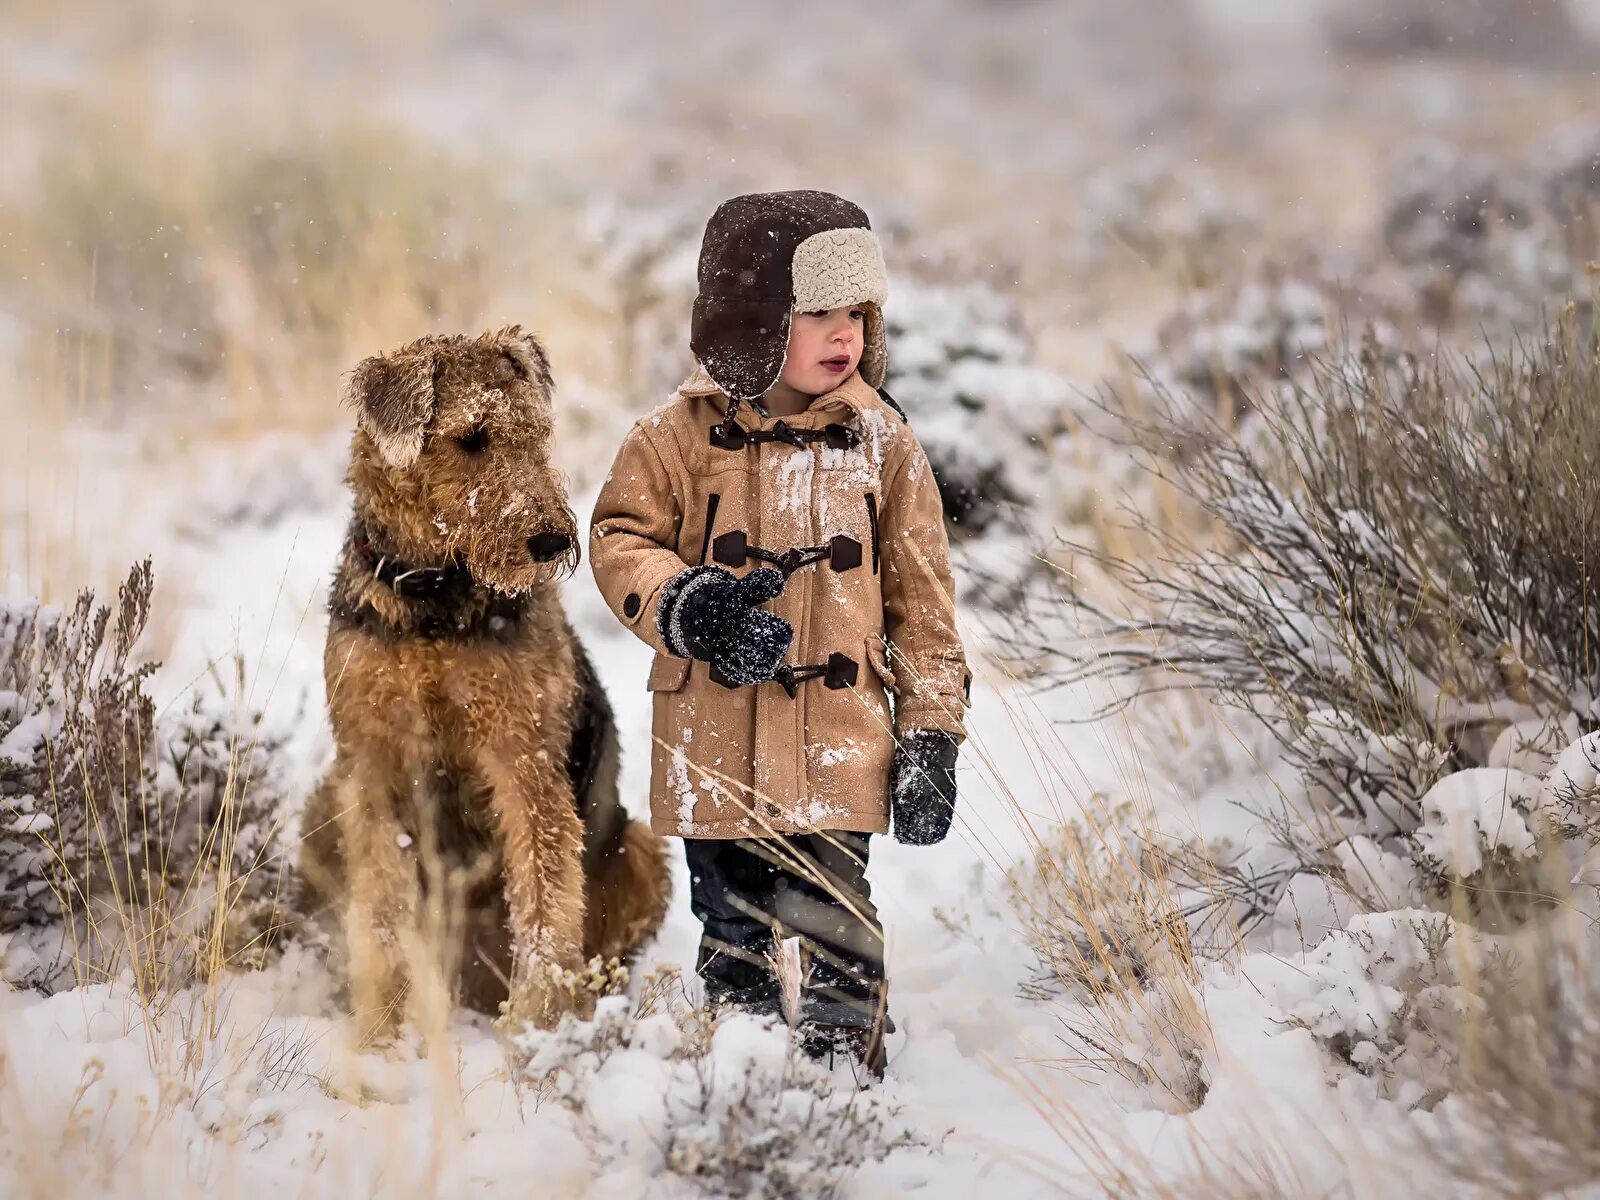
x,y
459,702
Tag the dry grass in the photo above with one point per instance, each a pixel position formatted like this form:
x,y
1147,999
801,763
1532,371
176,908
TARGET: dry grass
x,y
152,833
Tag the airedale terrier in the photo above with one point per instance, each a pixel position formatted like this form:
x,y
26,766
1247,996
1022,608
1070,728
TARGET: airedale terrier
x,y
470,824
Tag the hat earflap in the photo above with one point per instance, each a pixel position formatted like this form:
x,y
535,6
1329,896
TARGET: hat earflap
x,y
874,365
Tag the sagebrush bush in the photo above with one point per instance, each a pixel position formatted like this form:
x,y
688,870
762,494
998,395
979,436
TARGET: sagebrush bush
x,y
1403,1026
128,840
74,729
734,1107
1396,568
1115,953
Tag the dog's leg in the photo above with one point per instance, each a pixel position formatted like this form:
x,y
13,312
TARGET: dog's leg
x,y
322,866
381,914
543,843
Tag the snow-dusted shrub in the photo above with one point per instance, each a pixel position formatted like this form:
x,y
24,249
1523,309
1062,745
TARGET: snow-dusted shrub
x,y
1115,952
74,725
1263,328
1475,242
1481,829
1398,572
1569,171
217,782
127,840
722,1107
1572,789
267,480
962,366
1382,995
1445,207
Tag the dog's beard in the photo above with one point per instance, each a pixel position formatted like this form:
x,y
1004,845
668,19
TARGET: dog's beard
x,y
504,563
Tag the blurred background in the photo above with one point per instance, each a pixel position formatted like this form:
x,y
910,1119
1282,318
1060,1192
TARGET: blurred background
x,y
211,211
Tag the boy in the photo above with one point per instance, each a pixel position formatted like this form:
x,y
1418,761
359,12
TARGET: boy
x,y
779,501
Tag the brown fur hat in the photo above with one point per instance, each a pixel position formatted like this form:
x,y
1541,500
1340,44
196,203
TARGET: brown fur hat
x,y
768,255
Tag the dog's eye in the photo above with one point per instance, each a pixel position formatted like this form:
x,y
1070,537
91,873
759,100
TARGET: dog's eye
x,y
517,368
475,442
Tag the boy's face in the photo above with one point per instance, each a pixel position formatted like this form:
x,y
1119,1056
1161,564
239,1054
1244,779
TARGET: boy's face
x,y
824,347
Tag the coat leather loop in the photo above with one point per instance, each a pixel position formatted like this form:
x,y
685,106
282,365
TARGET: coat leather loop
x,y
729,435
839,672
733,549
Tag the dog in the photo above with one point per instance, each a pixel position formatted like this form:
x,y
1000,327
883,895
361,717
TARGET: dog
x,y
470,828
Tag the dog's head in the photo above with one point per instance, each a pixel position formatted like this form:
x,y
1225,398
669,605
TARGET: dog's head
x,y
452,455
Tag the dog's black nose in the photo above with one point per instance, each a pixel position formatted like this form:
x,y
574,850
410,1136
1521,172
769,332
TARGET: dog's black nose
x,y
547,546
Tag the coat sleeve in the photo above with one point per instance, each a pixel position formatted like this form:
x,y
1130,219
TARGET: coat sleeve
x,y
633,532
931,680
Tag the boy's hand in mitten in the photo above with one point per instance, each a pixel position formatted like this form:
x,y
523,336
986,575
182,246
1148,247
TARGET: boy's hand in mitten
x,y
922,786
711,614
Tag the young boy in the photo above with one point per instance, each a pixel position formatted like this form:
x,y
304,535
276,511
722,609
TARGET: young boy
x,y
774,532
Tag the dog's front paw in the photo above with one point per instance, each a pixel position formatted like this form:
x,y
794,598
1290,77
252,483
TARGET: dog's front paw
x,y
381,1034
545,994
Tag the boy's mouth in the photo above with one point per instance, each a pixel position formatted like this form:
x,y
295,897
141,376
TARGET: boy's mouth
x,y
838,363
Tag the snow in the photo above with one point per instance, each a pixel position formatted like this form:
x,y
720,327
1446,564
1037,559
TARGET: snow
x,y
793,480
1480,811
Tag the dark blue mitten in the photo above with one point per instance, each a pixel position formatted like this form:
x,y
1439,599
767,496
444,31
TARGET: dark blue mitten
x,y
922,786
713,615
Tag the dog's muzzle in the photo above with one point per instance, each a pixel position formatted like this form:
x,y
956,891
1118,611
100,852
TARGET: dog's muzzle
x,y
548,546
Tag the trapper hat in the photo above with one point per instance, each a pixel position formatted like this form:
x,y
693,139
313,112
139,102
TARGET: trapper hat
x,y
768,255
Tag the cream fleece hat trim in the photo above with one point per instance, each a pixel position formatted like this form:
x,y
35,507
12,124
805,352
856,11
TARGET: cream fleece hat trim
x,y
838,267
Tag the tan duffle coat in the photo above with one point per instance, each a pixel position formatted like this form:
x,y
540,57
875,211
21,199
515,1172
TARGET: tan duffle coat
x,y
874,615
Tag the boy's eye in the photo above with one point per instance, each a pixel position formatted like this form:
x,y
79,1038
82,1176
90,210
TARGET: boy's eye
x,y
475,442
818,313
857,314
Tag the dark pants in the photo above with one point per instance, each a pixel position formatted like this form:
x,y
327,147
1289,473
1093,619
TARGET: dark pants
x,y
812,886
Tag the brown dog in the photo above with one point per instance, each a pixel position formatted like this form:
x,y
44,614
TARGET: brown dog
x,y
471,821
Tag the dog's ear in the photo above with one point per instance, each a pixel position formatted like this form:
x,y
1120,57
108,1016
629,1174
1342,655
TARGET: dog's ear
x,y
528,356
393,399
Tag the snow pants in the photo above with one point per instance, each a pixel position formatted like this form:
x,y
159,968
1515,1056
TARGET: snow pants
x,y
811,886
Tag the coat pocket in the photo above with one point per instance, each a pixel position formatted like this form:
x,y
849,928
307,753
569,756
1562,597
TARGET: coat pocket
x,y
668,673
878,659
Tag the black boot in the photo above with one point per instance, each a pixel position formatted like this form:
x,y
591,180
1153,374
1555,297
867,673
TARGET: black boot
x,y
828,1045
844,1010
